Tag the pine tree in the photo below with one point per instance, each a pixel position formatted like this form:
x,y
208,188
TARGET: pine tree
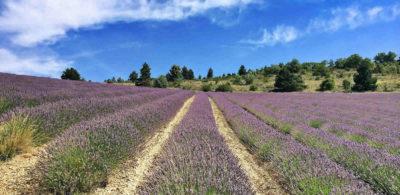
x,y
210,73
145,76
242,70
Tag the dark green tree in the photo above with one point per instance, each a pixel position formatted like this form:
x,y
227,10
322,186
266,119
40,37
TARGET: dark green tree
x,y
210,73
287,81
354,61
363,78
71,74
174,74
145,76
190,75
385,58
294,66
133,76
320,69
242,70
185,73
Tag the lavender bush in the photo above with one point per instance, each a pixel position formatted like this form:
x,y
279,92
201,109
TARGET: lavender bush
x,y
196,160
303,170
375,166
83,155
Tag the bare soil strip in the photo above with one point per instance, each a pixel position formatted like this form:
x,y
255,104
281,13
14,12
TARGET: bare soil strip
x,y
261,181
131,174
15,176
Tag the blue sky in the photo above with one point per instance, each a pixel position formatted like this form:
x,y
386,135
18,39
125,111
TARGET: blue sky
x,y
105,38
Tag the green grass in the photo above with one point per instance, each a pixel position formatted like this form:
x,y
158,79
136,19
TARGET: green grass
x,y
5,105
316,123
17,136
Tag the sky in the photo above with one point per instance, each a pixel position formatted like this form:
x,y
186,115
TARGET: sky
x,y
105,38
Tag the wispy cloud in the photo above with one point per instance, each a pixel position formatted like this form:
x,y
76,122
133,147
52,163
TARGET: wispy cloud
x,y
31,22
280,34
354,17
32,65
340,18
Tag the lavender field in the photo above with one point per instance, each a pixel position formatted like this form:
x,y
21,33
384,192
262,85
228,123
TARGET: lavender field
x,y
59,136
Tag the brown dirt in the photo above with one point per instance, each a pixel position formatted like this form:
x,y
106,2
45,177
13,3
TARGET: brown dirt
x,y
131,174
261,181
14,173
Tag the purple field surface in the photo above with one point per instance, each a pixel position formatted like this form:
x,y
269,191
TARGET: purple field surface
x,y
357,131
28,91
294,162
196,159
310,143
102,143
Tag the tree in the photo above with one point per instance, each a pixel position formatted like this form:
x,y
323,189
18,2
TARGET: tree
x,y
145,76
287,81
327,85
133,77
354,61
320,69
363,78
71,74
294,66
190,75
187,73
210,73
385,58
242,70
161,82
174,74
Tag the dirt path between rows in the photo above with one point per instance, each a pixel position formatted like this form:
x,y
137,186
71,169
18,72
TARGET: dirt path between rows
x,y
261,181
127,178
15,176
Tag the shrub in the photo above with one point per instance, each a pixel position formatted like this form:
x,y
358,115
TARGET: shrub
x,y
346,85
237,80
16,136
327,85
206,87
161,82
316,124
253,88
249,79
226,87
288,81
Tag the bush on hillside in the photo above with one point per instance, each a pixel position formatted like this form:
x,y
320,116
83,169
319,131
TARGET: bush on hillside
x,y
288,81
206,87
327,85
226,87
346,85
160,82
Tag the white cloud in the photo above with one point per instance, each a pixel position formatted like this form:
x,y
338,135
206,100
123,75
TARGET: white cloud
x,y
31,22
354,17
281,34
341,18
40,66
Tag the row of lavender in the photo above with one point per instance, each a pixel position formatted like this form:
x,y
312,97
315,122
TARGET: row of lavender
x,y
81,158
303,170
51,119
314,119
196,160
364,118
28,91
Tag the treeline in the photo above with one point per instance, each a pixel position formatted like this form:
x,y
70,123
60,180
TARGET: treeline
x,y
288,76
